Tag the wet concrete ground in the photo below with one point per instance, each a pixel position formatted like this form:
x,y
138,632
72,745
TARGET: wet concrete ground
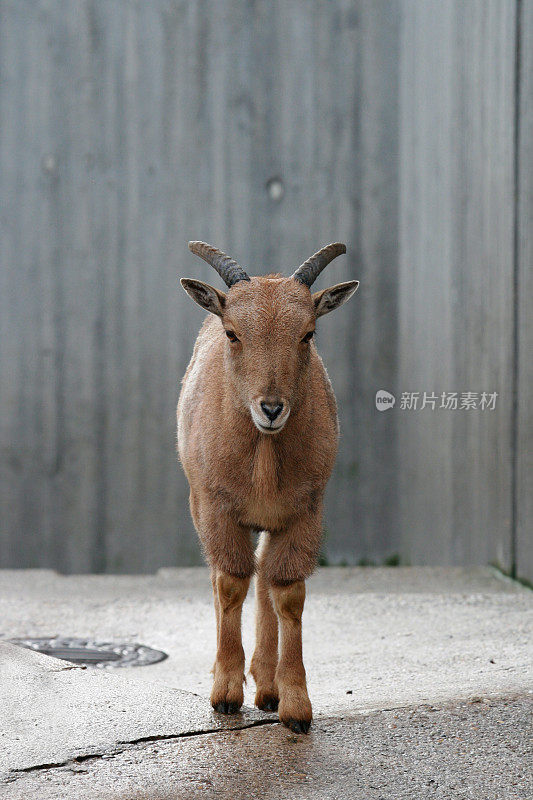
x,y
475,750
421,683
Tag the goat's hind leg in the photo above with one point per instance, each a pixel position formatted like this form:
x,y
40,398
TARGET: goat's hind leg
x,y
265,658
217,607
227,694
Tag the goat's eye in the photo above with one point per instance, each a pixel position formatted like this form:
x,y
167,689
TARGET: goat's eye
x,y
231,336
308,336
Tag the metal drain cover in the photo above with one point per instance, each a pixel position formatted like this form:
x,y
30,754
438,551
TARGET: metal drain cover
x,y
94,653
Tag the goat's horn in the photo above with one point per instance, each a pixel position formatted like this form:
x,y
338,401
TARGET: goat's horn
x,y
311,269
227,268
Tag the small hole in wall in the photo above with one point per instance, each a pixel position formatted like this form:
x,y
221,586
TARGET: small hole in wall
x,y
49,164
275,189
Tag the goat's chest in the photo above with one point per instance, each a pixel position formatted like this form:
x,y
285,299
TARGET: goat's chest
x,y
271,486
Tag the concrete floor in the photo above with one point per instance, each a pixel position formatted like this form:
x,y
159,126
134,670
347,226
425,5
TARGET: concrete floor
x,y
421,683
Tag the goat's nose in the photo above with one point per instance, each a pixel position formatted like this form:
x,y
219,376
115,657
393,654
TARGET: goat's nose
x,y
272,410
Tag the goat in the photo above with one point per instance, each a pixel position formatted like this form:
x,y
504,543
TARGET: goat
x,y
257,438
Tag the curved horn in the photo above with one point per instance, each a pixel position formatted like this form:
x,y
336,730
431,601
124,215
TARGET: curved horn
x,y
227,268
311,269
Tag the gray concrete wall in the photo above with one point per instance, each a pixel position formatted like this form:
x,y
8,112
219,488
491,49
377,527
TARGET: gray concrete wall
x,y
456,277
129,128
465,267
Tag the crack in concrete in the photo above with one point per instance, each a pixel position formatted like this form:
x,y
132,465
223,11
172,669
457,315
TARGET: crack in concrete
x,y
66,668
123,746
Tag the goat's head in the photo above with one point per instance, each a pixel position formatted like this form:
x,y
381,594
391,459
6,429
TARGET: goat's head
x,y
269,323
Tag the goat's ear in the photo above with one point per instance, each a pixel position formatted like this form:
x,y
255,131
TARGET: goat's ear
x,y
206,296
329,299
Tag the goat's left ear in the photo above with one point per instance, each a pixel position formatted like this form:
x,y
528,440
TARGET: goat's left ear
x,y
329,299
205,295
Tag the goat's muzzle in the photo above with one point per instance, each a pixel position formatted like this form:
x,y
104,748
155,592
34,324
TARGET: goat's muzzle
x,y
269,414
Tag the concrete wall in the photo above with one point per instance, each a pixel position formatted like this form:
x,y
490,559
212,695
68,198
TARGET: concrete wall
x,y
129,128
465,262
456,277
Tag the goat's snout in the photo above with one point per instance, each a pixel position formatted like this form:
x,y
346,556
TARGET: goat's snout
x,y
269,414
272,410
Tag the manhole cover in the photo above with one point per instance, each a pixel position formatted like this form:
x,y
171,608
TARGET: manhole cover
x,y
93,653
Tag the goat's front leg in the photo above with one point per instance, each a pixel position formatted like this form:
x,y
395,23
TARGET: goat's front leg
x,y
227,693
294,704
230,553
290,557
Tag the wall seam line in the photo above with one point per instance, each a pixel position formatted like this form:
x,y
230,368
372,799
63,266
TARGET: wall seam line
x,y
516,287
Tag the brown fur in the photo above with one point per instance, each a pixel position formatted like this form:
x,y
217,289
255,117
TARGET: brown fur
x,y
243,478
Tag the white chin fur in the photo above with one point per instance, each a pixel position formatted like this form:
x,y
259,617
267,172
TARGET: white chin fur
x,y
262,425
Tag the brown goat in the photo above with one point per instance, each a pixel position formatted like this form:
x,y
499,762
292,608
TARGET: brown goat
x,y
257,437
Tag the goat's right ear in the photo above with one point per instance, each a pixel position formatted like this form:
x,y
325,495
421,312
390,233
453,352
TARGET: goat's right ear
x,y
206,296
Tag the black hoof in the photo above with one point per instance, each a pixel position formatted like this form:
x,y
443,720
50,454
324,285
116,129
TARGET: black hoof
x,y
226,708
270,703
298,725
